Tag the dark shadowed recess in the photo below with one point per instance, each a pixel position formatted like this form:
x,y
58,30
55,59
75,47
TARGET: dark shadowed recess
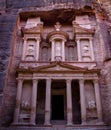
x,y
64,16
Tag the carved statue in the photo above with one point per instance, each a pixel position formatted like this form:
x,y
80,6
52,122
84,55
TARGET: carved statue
x,y
30,52
91,104
58,26
25,105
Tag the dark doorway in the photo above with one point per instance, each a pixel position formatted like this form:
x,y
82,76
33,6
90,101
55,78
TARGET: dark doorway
x,y
76,102
57,107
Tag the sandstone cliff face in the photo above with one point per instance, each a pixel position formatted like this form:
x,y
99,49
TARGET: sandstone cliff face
x,y
41,3
10,11
107,6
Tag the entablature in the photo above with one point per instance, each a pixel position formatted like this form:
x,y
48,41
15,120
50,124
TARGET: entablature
x,y
54,76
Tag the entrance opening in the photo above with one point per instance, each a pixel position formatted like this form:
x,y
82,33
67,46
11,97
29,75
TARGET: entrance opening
x,y
57,107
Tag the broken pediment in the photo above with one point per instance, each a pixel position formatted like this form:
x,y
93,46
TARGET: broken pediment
x,y
33,26
33,22
81,29
34,30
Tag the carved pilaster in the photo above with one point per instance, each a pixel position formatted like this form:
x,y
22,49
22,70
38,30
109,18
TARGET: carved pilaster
x,y
91,49
79,50
37,49
24,49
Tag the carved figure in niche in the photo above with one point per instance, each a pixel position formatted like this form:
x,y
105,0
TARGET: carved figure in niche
x,y
25,105
30,52
58,26
58,50
91,104
86,51
90,100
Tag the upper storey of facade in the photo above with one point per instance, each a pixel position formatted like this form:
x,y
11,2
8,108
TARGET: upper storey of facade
x,y
70,41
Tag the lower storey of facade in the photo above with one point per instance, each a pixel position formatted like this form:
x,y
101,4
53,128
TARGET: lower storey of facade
x,y
58,101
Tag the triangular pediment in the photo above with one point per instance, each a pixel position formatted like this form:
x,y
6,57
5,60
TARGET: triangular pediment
x,y
58,67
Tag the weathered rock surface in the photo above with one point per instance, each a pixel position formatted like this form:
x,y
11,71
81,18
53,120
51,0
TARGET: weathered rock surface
x,y
9,12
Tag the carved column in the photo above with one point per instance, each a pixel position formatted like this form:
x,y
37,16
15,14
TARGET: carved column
x,y
82,101
48,102
18,101
91,48
98,101
79,50
53,51
33,101
69,102
24,49
63,50
37,50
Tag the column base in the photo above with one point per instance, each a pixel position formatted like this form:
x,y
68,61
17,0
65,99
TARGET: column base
x,y
83,123
14,123
69,124
22,124
32,124
47,124
100,122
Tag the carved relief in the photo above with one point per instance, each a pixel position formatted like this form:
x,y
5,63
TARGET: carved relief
x,y
90,100
30,50
91,104
85,49
58,26
58,50
25,106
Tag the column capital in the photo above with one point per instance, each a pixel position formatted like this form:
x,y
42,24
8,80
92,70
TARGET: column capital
x,y
48,79
52,40
38,39
78,39
64,40
91,38
96,80
20,79
25,38
68,80
81,80
35,80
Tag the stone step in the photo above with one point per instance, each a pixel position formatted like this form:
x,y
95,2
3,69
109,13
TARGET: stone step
x,y
58,127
